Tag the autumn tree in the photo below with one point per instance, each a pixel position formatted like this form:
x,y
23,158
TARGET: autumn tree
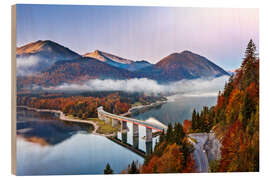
x,y
173,153
236,115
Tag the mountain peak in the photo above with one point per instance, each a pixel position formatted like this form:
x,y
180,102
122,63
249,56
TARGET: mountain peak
x,y
38,46
97,51
188,65
186,52
107,57
47,49
97,54
30,47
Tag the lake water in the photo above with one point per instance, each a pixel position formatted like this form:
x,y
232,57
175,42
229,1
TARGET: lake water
x,y
178,108
47,145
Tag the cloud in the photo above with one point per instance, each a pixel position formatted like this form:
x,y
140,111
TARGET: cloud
x,y
27,61
31,65
26,65
187,87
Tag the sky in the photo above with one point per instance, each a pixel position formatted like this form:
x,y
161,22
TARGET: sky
x,y
143,33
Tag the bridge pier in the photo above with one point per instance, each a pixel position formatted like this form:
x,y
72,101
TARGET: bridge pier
x,y
114,122
135,129
116,119
100,115
149,147
107,120
124,137
148,135
124,125
136,142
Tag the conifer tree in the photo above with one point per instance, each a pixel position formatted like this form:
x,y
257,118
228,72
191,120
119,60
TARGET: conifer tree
x,y
108,169
133,168
248,65
250,50
194,120
169,133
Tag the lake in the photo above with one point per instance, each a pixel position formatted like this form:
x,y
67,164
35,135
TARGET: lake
x,y
47,145
178,108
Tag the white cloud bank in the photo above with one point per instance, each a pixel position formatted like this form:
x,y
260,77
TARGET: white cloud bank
x,y
31,65
189,87
26,65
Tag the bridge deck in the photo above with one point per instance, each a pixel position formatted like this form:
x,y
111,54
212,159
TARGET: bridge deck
x,y
132,120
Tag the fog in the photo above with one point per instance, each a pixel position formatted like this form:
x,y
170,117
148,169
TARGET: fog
x,y
31,65
194,87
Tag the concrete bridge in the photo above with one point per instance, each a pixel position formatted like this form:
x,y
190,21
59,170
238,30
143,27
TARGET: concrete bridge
x,y
115,119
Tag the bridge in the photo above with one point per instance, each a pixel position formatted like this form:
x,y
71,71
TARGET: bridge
x,y
150,125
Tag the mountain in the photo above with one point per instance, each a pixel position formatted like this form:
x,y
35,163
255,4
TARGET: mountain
x,y
137,65
117,61
48,63
47,49
232,71
184,65
37,56
106,57
75,71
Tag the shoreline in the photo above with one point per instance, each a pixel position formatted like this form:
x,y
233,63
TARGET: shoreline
x,y
63,117
140,107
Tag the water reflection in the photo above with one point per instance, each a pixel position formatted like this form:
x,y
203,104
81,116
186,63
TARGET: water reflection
x,y
47,126
80,154
137,139
47,145
178,109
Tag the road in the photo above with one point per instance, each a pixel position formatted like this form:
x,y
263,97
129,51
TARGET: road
x,y
148,124
199,153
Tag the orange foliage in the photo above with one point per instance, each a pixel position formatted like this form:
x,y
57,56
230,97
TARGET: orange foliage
x,y
81,106
231,144
234,100
187,126
253,92
220,102
171,161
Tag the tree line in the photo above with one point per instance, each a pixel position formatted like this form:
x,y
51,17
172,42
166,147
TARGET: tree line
x,y
236,116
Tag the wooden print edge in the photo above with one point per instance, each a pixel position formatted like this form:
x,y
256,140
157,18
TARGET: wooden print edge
x,y
13,89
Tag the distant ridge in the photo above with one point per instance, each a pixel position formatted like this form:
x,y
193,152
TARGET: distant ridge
x,y
75,71
46,49
54,64
103,56
35,57
117,61
184,65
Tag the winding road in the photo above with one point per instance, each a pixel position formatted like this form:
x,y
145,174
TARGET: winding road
x,y
199,153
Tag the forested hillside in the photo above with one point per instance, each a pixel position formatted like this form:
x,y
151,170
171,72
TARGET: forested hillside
x,y
172,154
84,105
235,117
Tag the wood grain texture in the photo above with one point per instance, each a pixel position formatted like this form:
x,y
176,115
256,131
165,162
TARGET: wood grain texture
x,y
13,89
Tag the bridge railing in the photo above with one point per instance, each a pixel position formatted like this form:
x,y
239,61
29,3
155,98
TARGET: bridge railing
x,y
121,118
